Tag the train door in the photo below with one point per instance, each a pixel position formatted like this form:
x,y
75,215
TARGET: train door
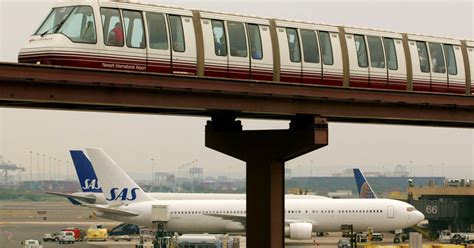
x,y
358,60
470,51
215,48
261,55
420,65
439,77
290,55
390,212
331,56
124,39
159,50
396,64
455,69
239,61
183,45
378,72
312,69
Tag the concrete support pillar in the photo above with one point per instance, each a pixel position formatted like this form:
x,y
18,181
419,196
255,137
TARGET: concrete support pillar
x,y
265,152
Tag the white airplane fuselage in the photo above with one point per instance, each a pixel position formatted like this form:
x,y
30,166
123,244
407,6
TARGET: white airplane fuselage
x,y
195,216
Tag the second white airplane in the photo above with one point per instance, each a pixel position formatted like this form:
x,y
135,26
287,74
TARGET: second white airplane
x,y
127,202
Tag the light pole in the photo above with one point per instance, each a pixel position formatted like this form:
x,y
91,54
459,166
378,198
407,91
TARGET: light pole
x,y
67,170
37,167
54,169
152,174
31,165
59,169
44,175
50,177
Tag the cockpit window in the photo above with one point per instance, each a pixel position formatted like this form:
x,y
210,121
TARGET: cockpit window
x,y
77,23
410,209
54,20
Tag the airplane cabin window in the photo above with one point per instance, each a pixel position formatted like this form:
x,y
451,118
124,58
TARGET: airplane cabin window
x,y
361,51
157,32
377,58
423,56
437,58
310,46
450,59
237,39
220,43
293,45
177,33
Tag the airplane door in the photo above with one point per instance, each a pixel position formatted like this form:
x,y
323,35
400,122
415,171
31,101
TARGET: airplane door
x,y
390,212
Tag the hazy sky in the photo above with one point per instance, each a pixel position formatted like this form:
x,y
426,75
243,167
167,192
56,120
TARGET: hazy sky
x,y
132,140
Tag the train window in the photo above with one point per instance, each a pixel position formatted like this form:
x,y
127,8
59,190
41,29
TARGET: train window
x,y
361,51
255,41
423,56
391,53
450,59
54,20
157,32
80,25
220,44
310,46
377,58
134,31
326,48
294,45
437,58
237,39
177,33
112,26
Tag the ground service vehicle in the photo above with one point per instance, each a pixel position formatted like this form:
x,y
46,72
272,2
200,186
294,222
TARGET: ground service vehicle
x,y
78,233
211,44
376,237
66,237
344,243
96,233
50,237
31,243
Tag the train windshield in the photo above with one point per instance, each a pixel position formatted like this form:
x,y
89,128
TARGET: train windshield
x,y
77,23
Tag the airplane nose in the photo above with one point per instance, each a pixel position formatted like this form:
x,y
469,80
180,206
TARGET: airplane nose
x,y
419,216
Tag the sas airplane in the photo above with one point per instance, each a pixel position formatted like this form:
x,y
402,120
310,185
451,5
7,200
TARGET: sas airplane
x,y
127,202
92,192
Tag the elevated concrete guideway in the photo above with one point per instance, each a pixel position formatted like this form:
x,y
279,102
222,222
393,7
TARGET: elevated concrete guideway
x,y
33,86
265,151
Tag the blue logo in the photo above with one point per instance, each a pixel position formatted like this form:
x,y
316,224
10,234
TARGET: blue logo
x,y
122,195
91,184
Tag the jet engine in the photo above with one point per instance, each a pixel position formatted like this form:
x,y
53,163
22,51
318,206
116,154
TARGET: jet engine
x,y
299,231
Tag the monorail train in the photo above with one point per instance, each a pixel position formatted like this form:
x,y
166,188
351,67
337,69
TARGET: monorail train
x,y
142,37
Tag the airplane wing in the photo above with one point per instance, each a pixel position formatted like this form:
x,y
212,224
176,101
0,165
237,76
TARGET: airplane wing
x,y
86,199
242,218
110,210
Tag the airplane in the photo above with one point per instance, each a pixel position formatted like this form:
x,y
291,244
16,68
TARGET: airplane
x,y
363,186
92,192
127,202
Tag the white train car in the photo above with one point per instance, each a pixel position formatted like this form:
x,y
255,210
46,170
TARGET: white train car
x,y
118,35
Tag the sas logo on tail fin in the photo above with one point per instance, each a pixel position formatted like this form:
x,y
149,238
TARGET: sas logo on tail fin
x,y
122,195
91,184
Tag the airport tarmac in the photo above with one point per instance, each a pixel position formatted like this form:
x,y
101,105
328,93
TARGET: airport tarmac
x,y
30,220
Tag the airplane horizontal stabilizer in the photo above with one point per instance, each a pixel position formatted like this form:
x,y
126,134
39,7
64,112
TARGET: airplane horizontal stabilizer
x,y
109,210
86,199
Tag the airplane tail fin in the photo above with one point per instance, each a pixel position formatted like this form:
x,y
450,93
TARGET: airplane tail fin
x,y
85,172
365,191
117,186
